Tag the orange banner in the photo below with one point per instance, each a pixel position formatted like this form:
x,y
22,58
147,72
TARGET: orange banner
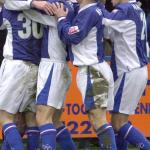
x,y
76,120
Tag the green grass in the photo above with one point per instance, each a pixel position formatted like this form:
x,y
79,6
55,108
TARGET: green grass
x,y
83,144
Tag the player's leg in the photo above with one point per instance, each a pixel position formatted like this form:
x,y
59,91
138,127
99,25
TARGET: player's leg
x,y
95,90
19,120
32,131
44,116
53,81
13,73
126,100
63,137
45,108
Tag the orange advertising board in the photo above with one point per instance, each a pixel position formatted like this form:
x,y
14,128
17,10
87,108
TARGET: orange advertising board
x,y
76,120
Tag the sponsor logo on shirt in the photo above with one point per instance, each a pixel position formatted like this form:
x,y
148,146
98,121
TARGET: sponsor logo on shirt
x,y
73,30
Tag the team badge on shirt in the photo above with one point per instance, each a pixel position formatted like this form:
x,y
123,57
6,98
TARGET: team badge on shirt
x,y
73,30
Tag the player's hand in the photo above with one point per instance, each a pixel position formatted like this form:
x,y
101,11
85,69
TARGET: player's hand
x,y
59,10
42,5
1,2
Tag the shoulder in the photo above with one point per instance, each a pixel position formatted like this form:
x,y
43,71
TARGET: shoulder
x,y
125,8
93,12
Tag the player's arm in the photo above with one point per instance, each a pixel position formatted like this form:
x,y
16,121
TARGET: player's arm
x,y
116,19
43,18
40,17
109,33
73,33
18,5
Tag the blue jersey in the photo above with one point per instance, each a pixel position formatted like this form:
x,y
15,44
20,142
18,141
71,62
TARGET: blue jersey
x,y
85,34
126,25
23,40
52,47
148,28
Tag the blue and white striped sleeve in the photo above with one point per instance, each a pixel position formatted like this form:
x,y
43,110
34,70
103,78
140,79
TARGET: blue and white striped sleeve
x,y
76,32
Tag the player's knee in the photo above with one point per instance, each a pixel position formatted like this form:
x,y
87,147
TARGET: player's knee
x,y
30,118
44,114
57,118
97,117
118,120
6,117
19,120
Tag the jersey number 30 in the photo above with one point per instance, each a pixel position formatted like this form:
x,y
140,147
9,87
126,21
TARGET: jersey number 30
x,y
30,28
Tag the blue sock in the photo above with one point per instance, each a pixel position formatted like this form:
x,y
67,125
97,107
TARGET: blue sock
x,y
5,146
134,137
121,143
48,136
106,137
64,139
33,135
12,136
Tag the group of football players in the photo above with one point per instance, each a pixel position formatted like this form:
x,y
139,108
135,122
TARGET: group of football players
x,y
42,36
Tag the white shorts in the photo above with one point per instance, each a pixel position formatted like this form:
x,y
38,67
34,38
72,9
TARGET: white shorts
x,y
54,79
17,85
96,85
129,87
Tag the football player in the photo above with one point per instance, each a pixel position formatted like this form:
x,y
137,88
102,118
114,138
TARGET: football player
x,y
126,26
94,77
53,78
18,73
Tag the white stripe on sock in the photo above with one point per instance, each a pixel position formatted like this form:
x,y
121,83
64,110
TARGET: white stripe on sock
x,y
61,131
48,130
13,126
128,132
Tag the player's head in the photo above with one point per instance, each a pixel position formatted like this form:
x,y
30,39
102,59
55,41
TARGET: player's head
x,y
116,2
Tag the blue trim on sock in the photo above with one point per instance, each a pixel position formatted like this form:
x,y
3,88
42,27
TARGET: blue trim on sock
x,y
8,125
134,137
60,128
106,137
46,126
33,138
64,139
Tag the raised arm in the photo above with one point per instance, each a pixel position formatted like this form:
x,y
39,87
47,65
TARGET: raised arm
x,y
40,17
17,4
117,19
